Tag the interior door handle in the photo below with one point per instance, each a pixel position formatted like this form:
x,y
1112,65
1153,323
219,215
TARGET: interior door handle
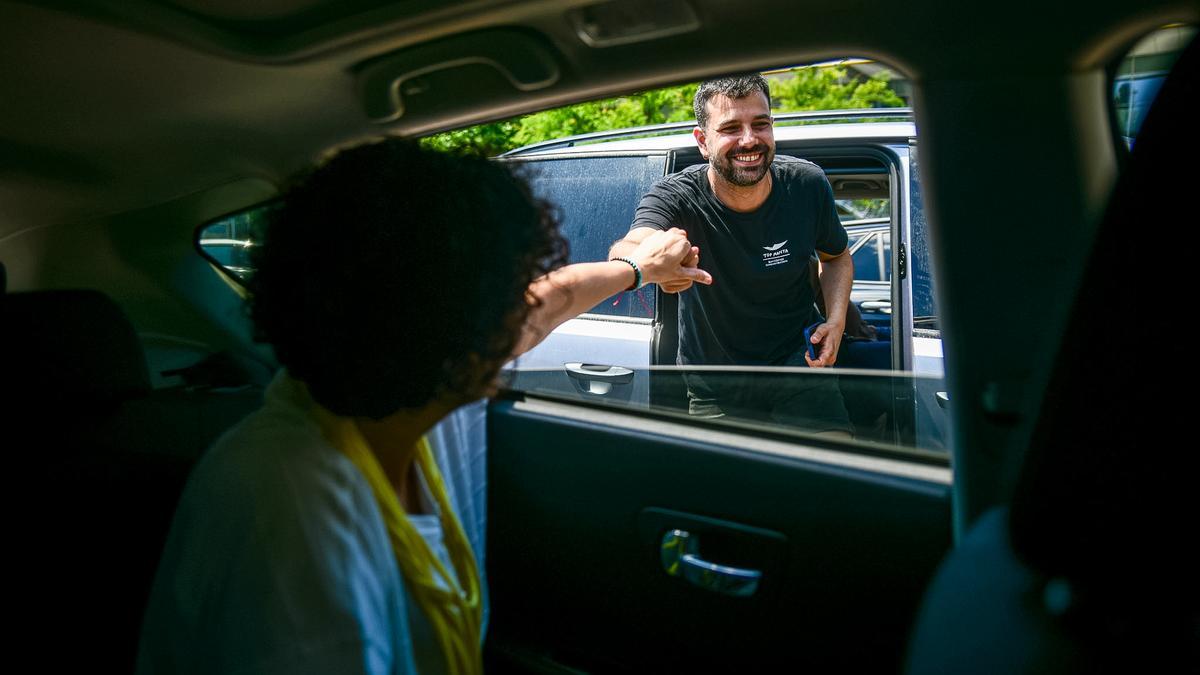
x,y
681,558
943,399
597,379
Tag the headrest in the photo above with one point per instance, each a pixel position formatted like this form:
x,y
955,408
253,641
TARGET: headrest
x,y
74,345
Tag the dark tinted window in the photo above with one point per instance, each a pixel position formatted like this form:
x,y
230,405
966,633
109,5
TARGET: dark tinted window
x,y
1140,74
885,261
873,260
596,198
866,260
921,267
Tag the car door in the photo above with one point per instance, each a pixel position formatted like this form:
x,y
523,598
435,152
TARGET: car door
x,y
806,553
625,537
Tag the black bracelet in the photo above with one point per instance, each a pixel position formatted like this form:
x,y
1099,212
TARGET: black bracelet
x,y
637,273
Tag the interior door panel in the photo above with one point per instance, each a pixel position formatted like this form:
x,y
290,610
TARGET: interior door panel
x,y
579,501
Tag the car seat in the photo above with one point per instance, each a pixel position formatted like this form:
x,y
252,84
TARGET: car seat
x,y
1092,567
101,461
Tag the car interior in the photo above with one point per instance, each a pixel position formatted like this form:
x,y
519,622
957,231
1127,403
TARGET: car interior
x,y
1051,537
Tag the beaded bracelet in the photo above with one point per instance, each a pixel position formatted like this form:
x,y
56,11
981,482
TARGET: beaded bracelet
x,y
637,273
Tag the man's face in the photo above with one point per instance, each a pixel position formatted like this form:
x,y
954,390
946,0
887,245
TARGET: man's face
x,y
739,139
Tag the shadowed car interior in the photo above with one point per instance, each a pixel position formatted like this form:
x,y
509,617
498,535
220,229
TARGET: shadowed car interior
x,y
126,126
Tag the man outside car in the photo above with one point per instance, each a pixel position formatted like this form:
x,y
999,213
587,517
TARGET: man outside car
x,y
757,219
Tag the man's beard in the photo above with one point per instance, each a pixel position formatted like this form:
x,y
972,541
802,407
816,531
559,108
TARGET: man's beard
x,y
739,176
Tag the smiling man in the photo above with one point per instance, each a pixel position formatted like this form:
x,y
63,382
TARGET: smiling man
x,y
757,220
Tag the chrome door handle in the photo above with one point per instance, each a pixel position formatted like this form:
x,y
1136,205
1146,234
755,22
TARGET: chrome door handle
x,y
597,379
884,306
943,399
680,558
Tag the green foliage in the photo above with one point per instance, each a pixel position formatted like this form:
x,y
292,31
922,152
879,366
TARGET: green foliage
x,y
818,88
829,89
673,104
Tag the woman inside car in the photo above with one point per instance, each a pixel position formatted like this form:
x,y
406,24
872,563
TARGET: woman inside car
x,y
340,527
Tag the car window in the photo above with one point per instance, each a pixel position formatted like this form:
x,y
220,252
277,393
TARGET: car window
x,y
1140,74
887,405
924,297
850,210
625,351
595,198
228,241
872,257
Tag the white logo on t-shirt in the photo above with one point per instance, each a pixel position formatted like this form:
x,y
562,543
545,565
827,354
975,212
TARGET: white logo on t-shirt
x,y
775,254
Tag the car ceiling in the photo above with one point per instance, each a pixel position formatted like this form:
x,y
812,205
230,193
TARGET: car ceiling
x,y
113,106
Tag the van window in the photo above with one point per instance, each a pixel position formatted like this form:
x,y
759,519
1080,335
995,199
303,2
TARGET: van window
x,y
595,199
1140,74
924,299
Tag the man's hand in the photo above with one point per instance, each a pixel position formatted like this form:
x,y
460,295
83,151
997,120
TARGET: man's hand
x,y
692,260
828,338
669,260
665,257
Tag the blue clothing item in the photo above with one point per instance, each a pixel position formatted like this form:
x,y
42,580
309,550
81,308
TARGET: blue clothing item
x,y
279,560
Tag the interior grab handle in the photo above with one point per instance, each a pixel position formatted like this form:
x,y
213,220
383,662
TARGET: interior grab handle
x,y
680,552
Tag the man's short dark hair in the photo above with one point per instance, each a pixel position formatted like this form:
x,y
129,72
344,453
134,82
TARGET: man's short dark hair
x,y
392,276
734,86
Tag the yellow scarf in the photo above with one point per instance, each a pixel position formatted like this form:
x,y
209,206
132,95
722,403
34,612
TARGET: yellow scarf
x,y
454,611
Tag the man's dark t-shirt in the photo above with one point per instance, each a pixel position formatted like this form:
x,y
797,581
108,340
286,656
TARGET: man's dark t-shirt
x,y
761,300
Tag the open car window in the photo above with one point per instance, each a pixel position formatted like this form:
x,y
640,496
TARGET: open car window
x,y
885,393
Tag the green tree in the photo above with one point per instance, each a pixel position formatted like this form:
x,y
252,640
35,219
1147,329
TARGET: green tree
x,y
816,88
829,88
672,104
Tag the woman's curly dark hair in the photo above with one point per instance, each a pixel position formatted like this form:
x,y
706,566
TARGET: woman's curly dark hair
x,y
393,275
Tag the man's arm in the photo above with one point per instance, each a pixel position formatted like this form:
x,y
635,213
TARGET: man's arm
x,y
624,247
837,276
569,291
856,326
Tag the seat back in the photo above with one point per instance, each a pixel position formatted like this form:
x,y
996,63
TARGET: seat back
x,y
1092,568
102,462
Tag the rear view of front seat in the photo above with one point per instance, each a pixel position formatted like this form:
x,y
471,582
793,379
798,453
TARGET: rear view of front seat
x,y
99,461
1093,566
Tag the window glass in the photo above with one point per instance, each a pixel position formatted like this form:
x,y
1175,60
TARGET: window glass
x,y
869,261
885,255
1140,74
229,241
595,198
609,364
862,209
923,296
634,363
